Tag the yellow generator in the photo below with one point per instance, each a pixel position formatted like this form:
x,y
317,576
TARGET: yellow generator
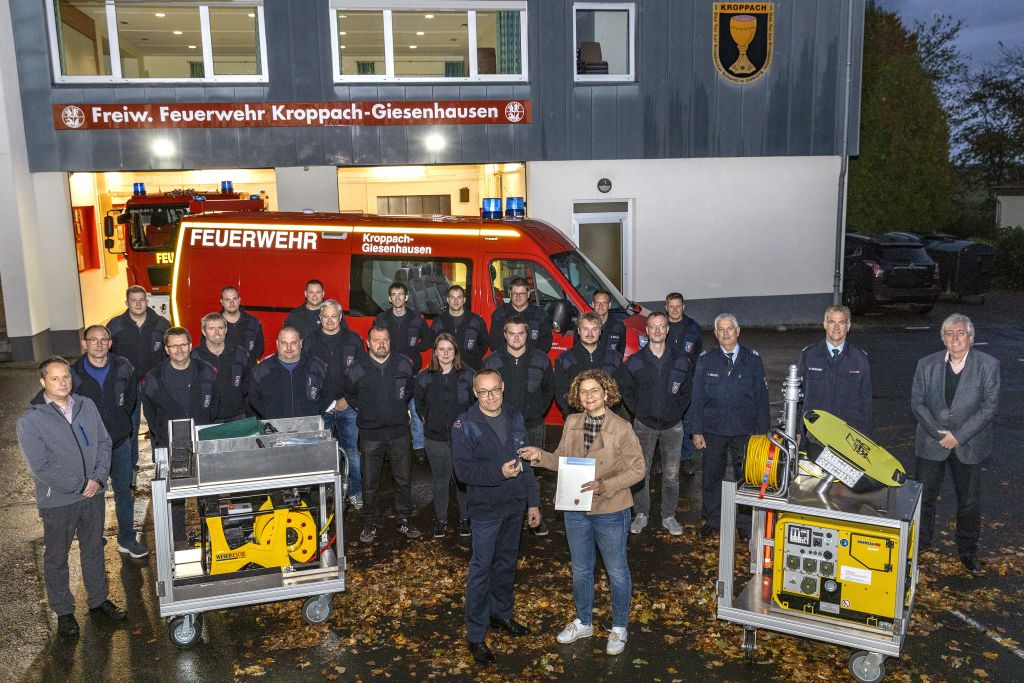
x,y
838,569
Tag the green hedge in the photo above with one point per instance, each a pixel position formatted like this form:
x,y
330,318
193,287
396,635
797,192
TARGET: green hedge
x,y
1009,271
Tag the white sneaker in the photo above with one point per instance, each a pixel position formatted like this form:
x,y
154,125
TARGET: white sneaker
x,y
672,526
616,641
575,631
639,522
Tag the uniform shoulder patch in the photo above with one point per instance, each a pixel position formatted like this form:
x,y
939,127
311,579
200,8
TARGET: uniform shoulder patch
x,y
703,353
806,348
754,351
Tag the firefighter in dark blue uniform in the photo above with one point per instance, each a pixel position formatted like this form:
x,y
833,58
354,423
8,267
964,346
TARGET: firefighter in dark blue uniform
x,y
537,321
244,329
306,318
290,383
485,444
613,329
729,404
684,337
138,335
179,388
591,352
468,328
837,375
232,364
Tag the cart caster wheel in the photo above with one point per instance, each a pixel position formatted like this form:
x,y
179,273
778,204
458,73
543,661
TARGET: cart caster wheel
x,y
867,667
317,609
749,644
184,631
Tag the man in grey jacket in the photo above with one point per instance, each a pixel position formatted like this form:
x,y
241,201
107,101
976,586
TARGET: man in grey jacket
x,y
955,397
67,448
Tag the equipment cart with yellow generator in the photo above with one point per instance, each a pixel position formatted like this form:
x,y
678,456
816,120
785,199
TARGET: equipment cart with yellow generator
x,y
269,505
826,562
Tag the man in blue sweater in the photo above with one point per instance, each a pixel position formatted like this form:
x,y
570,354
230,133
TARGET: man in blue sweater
x,y
67,448
485,445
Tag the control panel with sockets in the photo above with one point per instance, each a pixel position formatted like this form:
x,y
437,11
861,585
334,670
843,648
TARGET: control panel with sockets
x,y
810,562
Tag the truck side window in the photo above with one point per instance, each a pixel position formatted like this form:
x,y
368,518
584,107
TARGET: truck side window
x,y
428,281
544,289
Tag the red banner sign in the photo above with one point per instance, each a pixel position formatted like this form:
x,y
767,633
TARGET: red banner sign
x,y
295,114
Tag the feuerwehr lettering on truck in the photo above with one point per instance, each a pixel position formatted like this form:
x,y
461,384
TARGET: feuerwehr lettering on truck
x,y
242,238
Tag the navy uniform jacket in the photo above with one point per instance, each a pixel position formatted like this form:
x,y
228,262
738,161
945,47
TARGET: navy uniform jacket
x,y
410,334
380,393
613,335
159,406
686,336
470,335
304,320
478,455
339,358
538,324
248,333
529,385
233,367
274,392
117,397
729,404
573,361
142,346
657,395
840,385
441,398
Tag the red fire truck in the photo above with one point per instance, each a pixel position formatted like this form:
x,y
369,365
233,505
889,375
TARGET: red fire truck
x,y
151,232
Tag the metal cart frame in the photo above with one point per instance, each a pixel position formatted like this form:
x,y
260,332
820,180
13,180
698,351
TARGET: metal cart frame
x,y
182,593
753,608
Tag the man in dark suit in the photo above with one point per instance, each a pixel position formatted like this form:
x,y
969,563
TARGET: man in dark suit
x,y
837,375
955,397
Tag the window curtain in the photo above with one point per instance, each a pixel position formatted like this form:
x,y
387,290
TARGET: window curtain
x,y
196,70
454,69
509,55
365,68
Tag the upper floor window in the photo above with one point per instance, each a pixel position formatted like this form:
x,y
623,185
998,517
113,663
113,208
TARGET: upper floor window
x,y
605,38
109,41
409,41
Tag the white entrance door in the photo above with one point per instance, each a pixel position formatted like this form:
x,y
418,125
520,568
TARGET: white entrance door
x,y
603,235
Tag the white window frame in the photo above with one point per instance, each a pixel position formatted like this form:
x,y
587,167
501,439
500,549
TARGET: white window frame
x,y
115,48
471,7
605,78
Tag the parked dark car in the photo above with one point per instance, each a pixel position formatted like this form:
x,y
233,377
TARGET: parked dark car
x,y
883,270
965,266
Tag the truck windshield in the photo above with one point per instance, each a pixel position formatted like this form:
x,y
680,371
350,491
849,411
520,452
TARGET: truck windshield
x,y
586,278
155,228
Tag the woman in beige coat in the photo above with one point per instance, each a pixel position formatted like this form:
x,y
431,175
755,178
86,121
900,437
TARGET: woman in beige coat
x,y
600,434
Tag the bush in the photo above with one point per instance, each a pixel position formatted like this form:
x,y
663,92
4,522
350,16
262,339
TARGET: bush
x,y
1009,271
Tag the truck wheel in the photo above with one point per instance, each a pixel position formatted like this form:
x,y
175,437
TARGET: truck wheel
x,y
867,667
185,630
317,609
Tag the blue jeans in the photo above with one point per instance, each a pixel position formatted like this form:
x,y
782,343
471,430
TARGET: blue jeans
x,y
668,442
121,485
343,424
607,533
416,425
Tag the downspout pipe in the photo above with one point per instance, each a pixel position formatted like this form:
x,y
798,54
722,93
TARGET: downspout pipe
x,y
844,164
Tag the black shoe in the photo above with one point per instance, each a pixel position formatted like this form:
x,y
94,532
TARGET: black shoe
x,y
67,625
707,531
406,528
971,563
440,528
510,626
464,529
743,533
481,652
540,530
109,610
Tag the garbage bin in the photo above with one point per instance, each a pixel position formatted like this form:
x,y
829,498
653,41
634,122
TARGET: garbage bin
x,y
965,267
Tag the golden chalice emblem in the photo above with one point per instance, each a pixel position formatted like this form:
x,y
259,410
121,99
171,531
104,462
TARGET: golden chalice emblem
x,y
742,28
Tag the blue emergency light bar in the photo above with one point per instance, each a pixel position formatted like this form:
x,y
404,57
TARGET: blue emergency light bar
x,y
139,189
255,196
199,198
492,208
515,207
226,186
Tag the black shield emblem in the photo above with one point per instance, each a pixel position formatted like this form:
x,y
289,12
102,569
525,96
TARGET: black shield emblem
x,y
742,39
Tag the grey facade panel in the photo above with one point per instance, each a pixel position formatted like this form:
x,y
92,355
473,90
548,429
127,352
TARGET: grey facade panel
x,y
679,106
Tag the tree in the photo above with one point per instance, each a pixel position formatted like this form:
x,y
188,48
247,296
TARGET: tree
x,y
993,132
903,177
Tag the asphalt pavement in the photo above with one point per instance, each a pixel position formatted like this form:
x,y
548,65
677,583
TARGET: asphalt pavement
x,y
400,617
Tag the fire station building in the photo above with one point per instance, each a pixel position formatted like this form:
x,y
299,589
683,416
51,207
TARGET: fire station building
x,y
683,145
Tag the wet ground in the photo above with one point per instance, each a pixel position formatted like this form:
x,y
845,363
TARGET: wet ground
x,y
401,615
